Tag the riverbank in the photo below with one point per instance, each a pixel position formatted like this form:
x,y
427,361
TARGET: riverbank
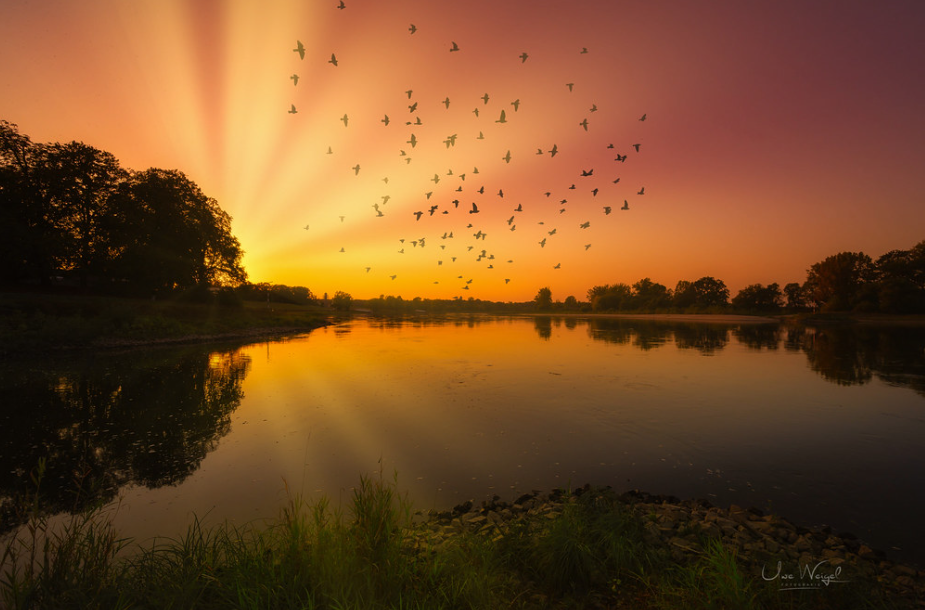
x,y
40,323
589,548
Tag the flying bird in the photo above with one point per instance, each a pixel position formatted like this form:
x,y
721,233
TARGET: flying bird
x,y
554,150
584,124
503,118
558,266
585,224
455,47
543,243
476,111
295,79
413,107
385,120
475,209
485,98
344,119
643,118
642,191
626,205
584,50
636,146
593,107
586,172
356,169
292,109
569,85
333,60
409,92
523,57
341,5
418,214
413,28
300,49
413,141
607,210
330,151
507,157
446,102
516,104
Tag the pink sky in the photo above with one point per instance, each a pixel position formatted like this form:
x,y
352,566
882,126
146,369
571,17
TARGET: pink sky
x,y
777,133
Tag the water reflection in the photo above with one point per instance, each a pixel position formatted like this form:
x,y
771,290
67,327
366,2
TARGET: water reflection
x,y
101,423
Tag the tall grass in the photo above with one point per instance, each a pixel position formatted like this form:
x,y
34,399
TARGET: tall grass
x,y
586,550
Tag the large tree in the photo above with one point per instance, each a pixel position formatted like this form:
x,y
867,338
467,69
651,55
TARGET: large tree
x,y
167,234
843,281
543,299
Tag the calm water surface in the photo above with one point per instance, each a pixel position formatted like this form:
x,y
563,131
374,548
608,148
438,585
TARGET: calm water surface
x,y
823,427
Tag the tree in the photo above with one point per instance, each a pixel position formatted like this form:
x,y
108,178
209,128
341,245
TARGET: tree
x,y
843,281
166,234
796,296
341,301
649,295
711,292
571,303
756,297
613,298
543,299
81,180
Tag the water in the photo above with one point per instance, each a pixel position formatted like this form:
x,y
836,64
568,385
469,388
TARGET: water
x,y
823,427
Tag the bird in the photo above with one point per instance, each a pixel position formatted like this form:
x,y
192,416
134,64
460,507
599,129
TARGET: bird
x,y
587,246
558,266
481,136
454,48
409,92
446,102
584,50
341,218
642,191
519,208
587,172
507,157
507,280
305,227
570,86
539,151
450,141
620,158
300,49
554,150
510,220
584,124
341,5
344,119
553,232
543,243
368,269
295,79
594,192
476,111
626,205
643,118
475,209
342,250
503,118
413,107
516,104
356,169
593,107
636,146
330,151
292,109
585,224
485,98
607,210
385,120
500,192
413,141
333,60
523,57
393,276
413,28
418,214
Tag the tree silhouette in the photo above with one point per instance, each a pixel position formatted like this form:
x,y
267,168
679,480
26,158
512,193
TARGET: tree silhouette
x,y
543,299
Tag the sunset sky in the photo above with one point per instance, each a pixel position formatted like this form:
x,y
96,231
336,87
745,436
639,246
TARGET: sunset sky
x,y
777,133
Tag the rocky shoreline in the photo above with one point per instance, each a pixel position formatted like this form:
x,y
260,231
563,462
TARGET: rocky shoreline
x,y
768,547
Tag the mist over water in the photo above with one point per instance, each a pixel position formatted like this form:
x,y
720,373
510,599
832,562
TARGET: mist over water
x,y
823,427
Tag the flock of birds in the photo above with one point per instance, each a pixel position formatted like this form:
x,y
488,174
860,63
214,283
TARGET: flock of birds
x,y
475,234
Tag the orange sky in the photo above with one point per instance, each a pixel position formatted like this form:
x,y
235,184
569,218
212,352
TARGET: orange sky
x,y
776,134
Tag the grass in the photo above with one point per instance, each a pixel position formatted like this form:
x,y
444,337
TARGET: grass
x,y
587,551
40,322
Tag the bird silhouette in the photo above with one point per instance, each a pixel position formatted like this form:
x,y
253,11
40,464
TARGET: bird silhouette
x,y
454,48
413,28
519,208
587,246
475,209
481,136
586,172
523,57
342,218
409,92
558,266
593,107
385,120
585,224
642,191
413,141
476,111
446,102
554,150
292,109
584,124
295,79
620,158
607,210
584,50
516,104
626,205
341,5
542,243
330,151
507,157
636,146
419,213
333,60
344,119
300,49
450,141
485,98
570,86
594,192
356,169
342,250
507,280
305,227
503,118
413,107
643,118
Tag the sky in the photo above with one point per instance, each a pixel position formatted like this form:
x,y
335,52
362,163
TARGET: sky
x,y
775,133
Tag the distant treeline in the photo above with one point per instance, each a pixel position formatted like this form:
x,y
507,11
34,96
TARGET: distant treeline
x,y
71,215
847,281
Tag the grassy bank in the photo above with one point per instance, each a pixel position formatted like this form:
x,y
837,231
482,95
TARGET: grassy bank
x,y
41,322
581,550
